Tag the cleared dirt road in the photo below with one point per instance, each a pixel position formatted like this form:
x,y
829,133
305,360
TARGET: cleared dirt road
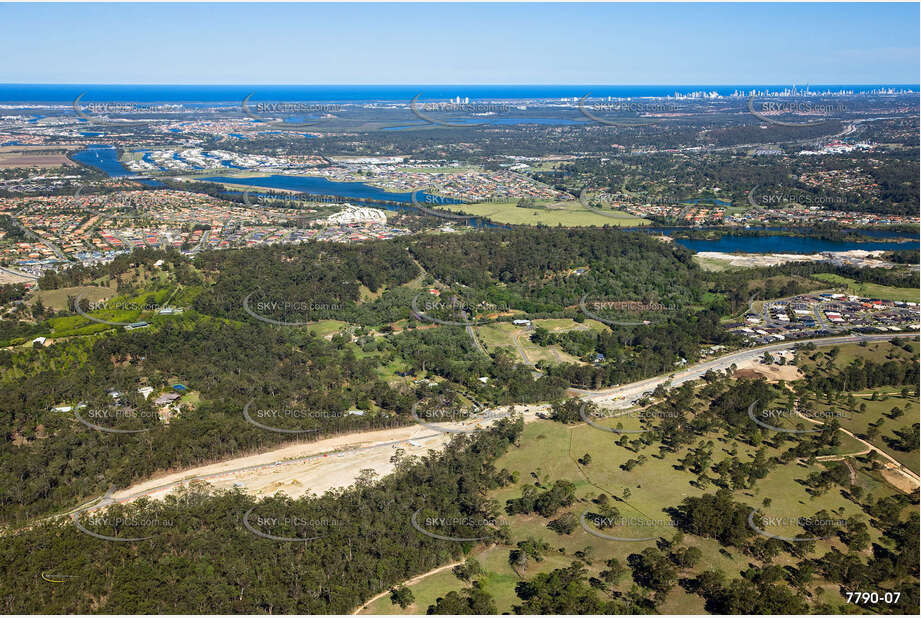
x,y
312,467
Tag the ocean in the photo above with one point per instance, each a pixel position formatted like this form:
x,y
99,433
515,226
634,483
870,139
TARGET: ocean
x,y
214,95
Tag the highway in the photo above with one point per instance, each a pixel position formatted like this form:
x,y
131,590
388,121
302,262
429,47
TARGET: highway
x,y
629,392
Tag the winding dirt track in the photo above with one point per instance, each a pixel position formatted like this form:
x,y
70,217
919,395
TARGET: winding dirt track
x,y
894,466
408,582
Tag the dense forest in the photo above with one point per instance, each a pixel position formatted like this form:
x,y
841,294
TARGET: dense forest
x,y
201,558
227,349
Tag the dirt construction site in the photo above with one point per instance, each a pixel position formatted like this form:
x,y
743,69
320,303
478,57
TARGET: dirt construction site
x,y
315,467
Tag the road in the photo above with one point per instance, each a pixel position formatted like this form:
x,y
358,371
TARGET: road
x,y
202,241
337,461
634,390
896,467
16,273
516,336
53,247
472,333
408,582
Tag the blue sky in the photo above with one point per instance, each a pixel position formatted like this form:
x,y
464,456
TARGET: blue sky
x,y
459,43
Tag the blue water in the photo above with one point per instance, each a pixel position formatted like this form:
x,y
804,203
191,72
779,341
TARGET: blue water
x,y
209,95
490,121
314,185
409,209
546,121
788,244
106,158
870,233
708,200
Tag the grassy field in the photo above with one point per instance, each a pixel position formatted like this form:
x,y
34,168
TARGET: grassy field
x,y
713,264
569,214
876,412
125,309
323,328
878,352
549,452
502,334
870,290
57,299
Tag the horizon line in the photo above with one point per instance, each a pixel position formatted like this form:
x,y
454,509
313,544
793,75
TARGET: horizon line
x,y
432,84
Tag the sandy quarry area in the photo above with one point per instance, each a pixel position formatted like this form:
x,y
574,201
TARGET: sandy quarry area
x,y
34,156
772,373
313,467
899,479
750,260
10,276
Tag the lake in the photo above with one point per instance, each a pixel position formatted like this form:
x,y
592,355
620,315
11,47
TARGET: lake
x,y
316,185
106,158
789,244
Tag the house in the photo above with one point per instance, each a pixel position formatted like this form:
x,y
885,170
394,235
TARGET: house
x,y
136,325
166,398
145,391
521,322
